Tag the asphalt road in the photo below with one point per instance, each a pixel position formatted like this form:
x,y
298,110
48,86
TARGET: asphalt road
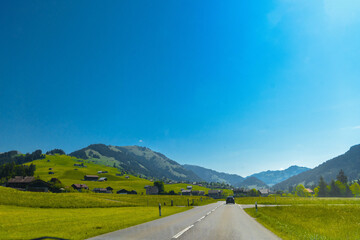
x,y
213,221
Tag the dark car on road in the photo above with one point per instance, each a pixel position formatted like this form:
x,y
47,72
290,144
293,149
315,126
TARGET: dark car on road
x,y
230,199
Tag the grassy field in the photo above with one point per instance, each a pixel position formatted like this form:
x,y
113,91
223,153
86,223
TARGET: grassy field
x,y
296,200
308,218
311,221
14,197
81,223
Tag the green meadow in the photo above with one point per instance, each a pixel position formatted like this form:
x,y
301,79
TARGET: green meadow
x,y
308,218
311,221
77,223
272,200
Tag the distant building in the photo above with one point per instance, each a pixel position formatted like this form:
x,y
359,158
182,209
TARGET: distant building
x,y
309,190
127,177
186,192
110,189
51,173
101,190
20,182
28,184
124,191
197,193
55,180
241,192
264,192
91,177
152,190
215,193
80,187
189,187
102,179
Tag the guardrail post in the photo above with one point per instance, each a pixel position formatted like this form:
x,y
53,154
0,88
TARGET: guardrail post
x,y
160,209
172,203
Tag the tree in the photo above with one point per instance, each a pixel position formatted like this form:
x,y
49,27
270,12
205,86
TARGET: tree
x,y
254,193
160,185
300,190
341,177
355,189
334,189
322,188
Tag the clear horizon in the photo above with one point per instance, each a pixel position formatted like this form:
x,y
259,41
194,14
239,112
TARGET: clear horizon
x,y
238,87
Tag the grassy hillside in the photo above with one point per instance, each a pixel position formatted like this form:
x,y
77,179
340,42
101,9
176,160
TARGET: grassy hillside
x,y
64,169
349,162
210,175
136,159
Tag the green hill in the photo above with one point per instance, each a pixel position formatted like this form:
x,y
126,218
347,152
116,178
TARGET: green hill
x,y
63,168
273,177
349,162
252,182
210,175
137,160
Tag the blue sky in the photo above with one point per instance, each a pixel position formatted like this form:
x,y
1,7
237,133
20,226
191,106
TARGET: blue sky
x,y
236,86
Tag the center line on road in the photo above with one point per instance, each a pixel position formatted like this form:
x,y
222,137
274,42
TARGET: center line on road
x,y
182,232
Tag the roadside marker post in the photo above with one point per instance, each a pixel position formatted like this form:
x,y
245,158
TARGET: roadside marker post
x,y
256,206
188,203
160,209
172,203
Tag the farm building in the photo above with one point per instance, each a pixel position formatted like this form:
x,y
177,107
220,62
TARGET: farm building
x,y
55,180
28,184
309,190
240,192
79,187
110,189
151,190
189,187
124,191
264,192
215,193
197,193
101,190
38,186
91,177
20,182
51,173
102,179
186,192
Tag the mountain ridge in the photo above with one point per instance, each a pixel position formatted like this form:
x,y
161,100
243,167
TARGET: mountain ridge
x,y
349,162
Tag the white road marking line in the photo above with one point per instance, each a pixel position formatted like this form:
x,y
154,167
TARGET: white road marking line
x,y
200,218
208,213
182,232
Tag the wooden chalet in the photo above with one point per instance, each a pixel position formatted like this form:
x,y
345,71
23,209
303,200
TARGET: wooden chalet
x,y
80,187
91,177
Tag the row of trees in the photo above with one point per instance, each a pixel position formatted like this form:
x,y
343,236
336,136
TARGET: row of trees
x,y
10,170
337,188
22,158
